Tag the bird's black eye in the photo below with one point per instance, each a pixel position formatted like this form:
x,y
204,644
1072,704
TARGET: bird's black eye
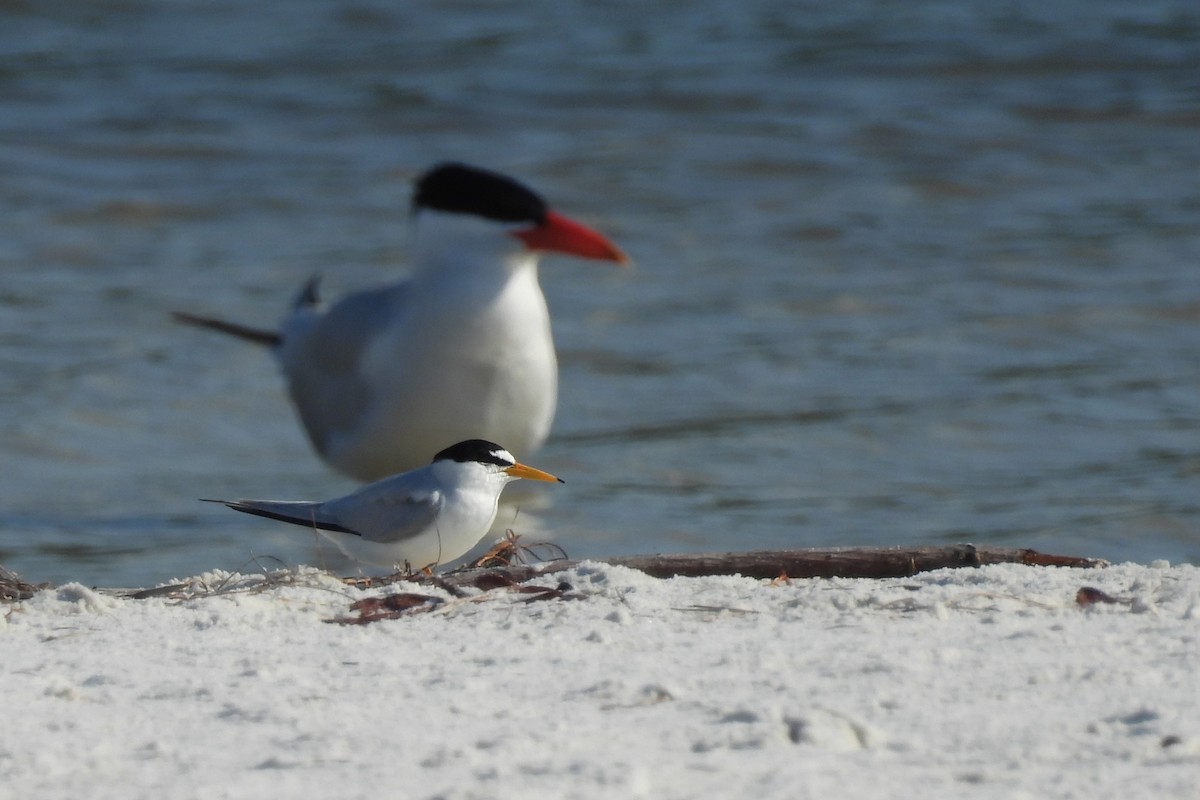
x,y
463,189
480,450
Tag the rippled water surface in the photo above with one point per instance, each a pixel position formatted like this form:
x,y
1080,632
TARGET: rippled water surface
x,y
905,272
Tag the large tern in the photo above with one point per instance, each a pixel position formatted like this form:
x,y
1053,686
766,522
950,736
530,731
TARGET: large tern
x,y
417,519
461,349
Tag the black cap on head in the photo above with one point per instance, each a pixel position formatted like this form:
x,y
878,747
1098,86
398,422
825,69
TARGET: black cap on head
x,y
462,189
479,450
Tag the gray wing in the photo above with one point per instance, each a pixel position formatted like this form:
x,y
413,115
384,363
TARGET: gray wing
x,y
388,511
321,354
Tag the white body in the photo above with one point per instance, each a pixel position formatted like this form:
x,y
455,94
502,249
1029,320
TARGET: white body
x,y
463,349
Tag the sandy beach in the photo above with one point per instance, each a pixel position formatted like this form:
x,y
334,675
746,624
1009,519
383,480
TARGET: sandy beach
x,y
989,682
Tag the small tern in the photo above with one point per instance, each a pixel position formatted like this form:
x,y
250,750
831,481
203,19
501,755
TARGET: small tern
x,y
428,516
462,348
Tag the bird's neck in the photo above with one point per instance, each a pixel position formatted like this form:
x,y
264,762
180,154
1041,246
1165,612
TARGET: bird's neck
x,y
469,274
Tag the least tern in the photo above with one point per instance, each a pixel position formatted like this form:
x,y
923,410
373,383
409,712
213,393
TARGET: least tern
x,y
428,516
463,348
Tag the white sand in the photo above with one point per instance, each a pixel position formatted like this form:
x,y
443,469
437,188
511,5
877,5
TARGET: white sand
x,y
959,683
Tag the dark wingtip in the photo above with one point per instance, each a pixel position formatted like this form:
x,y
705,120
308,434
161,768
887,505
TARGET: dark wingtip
x,y
257,335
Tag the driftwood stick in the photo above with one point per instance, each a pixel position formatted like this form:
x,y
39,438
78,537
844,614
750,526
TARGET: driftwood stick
x,y
838,562
841,562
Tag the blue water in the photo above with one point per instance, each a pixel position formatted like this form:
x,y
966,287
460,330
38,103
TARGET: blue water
x,y
905,272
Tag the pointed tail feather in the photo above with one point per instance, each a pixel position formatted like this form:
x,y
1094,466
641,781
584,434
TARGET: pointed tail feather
x,y
257,335
310,295
297,512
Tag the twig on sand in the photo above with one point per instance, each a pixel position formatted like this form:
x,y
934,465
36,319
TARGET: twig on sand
x,y
392,606
13,588
510,550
